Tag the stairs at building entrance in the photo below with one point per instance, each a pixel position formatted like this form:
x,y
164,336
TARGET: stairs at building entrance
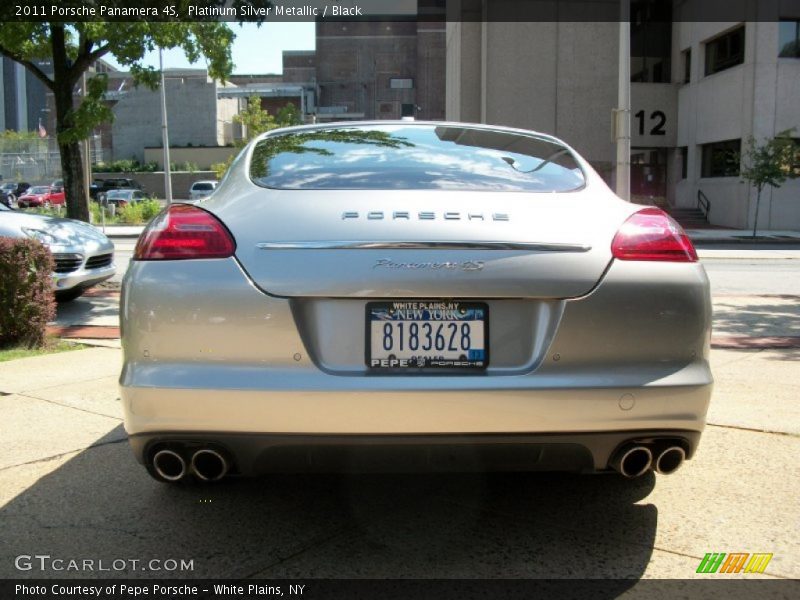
x,y
690,218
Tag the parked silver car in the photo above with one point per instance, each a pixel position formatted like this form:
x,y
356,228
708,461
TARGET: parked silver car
x,y
83,255
202,189
413,295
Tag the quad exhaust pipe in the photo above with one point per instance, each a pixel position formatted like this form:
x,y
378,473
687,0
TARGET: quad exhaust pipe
x,y
633,461
670,460
636,459
209,465
169,465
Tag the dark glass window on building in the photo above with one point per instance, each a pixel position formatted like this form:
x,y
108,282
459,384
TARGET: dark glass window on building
x,y
721,159
686,57
725,52
651,41
789,38
684,154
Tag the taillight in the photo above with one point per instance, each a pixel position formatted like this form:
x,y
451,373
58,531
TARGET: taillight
x,y
651,234
183,232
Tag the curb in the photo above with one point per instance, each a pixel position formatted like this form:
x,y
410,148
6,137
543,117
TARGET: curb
x,y
793,241
89,332
101,292
741,342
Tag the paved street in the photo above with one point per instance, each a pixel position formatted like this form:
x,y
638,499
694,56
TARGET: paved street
x,y
123,251
69,484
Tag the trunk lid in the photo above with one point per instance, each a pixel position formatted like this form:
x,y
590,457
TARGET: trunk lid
x,y
422,244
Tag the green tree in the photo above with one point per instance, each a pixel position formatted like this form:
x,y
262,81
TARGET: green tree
x,y
256,121
73,47
770,164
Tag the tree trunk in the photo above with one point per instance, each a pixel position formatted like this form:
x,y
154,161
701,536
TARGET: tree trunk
x,y
758,202
71,163
72,172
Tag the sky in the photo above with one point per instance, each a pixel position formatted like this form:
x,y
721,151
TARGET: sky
x,y
255,50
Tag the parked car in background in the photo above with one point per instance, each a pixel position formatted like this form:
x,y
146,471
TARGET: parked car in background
x,y
41,195
201,189
440,296
100,187
94,188
13,190
83,255
7,196
120,198
22,187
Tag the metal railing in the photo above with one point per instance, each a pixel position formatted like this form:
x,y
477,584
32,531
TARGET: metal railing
x,y
703,203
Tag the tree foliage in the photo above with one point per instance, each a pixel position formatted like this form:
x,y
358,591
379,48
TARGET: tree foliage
x,y
256,120
72,47
770,163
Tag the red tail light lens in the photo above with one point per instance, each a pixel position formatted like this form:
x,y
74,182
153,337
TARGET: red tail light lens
x,y
184,232
651,234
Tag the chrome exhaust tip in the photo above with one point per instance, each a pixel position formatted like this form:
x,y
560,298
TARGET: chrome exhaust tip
x,y
169,465
633,461
670,460
209,465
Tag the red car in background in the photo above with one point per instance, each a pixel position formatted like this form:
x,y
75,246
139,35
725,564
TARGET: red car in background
x,y
41,195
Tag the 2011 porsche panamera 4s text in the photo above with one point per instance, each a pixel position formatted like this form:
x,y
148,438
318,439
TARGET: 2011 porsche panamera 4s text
x,y
410,295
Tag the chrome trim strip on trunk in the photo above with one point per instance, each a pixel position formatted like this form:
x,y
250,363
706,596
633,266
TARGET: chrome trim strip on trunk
x,y
427,245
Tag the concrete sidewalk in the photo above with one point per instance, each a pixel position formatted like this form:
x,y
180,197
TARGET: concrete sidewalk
x,y
742,236
70,487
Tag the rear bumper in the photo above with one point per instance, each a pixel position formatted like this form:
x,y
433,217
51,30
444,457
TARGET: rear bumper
x,y
212,359
303,421
255,453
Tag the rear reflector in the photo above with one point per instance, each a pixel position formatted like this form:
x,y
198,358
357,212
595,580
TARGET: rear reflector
x,y
651,234
184,232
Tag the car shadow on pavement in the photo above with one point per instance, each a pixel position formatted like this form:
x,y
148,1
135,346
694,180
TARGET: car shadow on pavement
x,y
101,504
88,310
760,317
791,355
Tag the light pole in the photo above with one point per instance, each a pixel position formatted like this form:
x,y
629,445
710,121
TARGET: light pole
x,y
87,161
164,132
623,112
45,111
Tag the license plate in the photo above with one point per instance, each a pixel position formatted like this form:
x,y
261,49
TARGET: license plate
x,y
427,335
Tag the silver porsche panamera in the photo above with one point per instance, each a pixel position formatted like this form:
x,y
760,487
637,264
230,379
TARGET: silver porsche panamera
x,y
409,295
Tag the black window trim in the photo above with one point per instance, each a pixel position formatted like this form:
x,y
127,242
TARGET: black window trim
x,y
739,27
703,156
686,65
796,21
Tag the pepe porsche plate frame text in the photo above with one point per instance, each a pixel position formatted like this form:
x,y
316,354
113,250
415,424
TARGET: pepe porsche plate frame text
x,y
427,335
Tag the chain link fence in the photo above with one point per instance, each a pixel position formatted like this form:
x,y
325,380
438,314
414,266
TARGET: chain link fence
x,y
34,161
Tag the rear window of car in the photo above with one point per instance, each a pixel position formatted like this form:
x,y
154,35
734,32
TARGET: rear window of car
x,y
203,187
39,190
119,194
426,157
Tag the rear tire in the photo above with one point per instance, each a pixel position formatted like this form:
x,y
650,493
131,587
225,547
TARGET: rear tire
x,y
69,295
